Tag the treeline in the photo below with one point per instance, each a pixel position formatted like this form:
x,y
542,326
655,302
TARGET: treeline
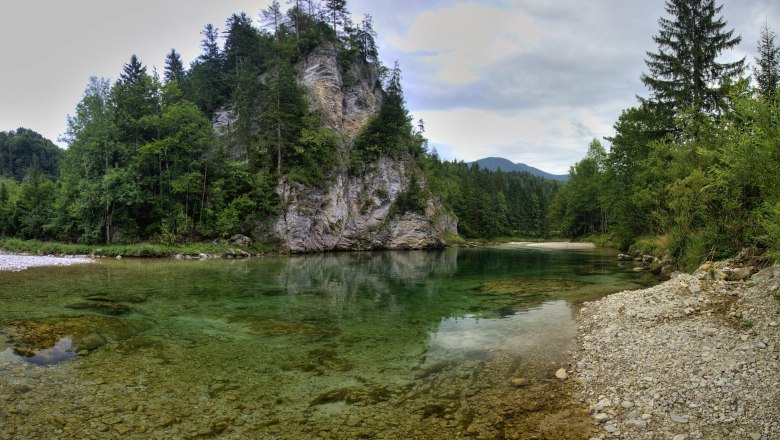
x,y
24,148
145,163
696,163
492,204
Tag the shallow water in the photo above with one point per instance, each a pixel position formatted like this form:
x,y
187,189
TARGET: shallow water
x,y
363,345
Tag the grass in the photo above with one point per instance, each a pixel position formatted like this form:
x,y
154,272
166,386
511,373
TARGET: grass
x,y
453,239
655,245
144,250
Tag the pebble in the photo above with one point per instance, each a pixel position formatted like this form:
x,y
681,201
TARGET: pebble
x,y
639,424
678,356
561,374
15,263
519,382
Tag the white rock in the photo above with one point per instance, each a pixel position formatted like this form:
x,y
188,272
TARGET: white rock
x,y
561,374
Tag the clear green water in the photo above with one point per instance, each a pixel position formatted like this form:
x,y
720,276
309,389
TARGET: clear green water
x,y
364,345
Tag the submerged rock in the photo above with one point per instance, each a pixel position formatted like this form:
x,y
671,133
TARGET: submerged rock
x,y
370,395
102,307
264,326
88,332
526,286
133,299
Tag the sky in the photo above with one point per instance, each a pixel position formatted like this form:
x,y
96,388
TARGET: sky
x,y
534,81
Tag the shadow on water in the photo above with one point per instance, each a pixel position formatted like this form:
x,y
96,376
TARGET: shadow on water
x,y
440,344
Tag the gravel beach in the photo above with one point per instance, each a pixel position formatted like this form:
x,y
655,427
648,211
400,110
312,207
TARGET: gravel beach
x,y
15,263
696,357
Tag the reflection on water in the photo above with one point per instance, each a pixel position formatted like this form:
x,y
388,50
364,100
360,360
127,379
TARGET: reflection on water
x,y
60,352
543,331
372,345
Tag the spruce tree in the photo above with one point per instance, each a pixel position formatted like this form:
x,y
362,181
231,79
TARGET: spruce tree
x,y
174,68
338,12
273,19
133,71
767,70
685,74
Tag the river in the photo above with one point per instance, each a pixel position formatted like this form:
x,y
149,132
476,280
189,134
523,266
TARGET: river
x,y
459,343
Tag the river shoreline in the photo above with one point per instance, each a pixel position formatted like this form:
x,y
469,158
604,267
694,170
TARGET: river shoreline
x,y
16,263
695,357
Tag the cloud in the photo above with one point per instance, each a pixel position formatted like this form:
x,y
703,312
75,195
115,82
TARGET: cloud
x,y
546,140
535,80
461,40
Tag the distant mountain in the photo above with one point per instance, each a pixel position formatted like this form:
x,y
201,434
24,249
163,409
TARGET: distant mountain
x,y
496,163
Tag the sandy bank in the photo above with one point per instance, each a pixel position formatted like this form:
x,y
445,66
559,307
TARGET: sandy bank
x,y
14,263
558,245
692,358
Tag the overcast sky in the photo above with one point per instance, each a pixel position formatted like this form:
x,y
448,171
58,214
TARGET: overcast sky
x,y
530,80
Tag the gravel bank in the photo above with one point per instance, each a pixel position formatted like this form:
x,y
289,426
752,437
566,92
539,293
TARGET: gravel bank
x,y
557,245
692,358
16,263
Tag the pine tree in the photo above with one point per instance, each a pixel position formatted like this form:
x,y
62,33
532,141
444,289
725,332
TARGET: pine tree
x,y
174,68
133,71
210,44
366,39
206,80
684,73
338,13
273,19
767,70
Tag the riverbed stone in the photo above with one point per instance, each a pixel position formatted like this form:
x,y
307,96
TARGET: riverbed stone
x,y
695,353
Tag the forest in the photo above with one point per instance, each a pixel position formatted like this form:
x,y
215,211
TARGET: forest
x,y
692,168
144,162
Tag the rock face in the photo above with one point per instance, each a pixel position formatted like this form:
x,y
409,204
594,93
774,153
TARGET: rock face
x,y
347,100
354,214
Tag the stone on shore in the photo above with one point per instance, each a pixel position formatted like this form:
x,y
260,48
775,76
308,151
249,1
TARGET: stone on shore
x,y
694,357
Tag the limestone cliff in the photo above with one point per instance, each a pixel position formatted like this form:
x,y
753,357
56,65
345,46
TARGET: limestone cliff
x,y
350,212
354,212
345,100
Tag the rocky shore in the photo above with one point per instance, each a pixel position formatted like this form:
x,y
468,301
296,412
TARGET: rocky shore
x,y
697,357
15,263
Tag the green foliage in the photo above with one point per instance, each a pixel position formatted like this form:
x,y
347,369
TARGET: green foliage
x,y
144,163
389,132
413,200
38,247
21,148
491,204
695,167
767,69
684,73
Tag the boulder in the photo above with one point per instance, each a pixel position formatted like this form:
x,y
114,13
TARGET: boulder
x,y
240,240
